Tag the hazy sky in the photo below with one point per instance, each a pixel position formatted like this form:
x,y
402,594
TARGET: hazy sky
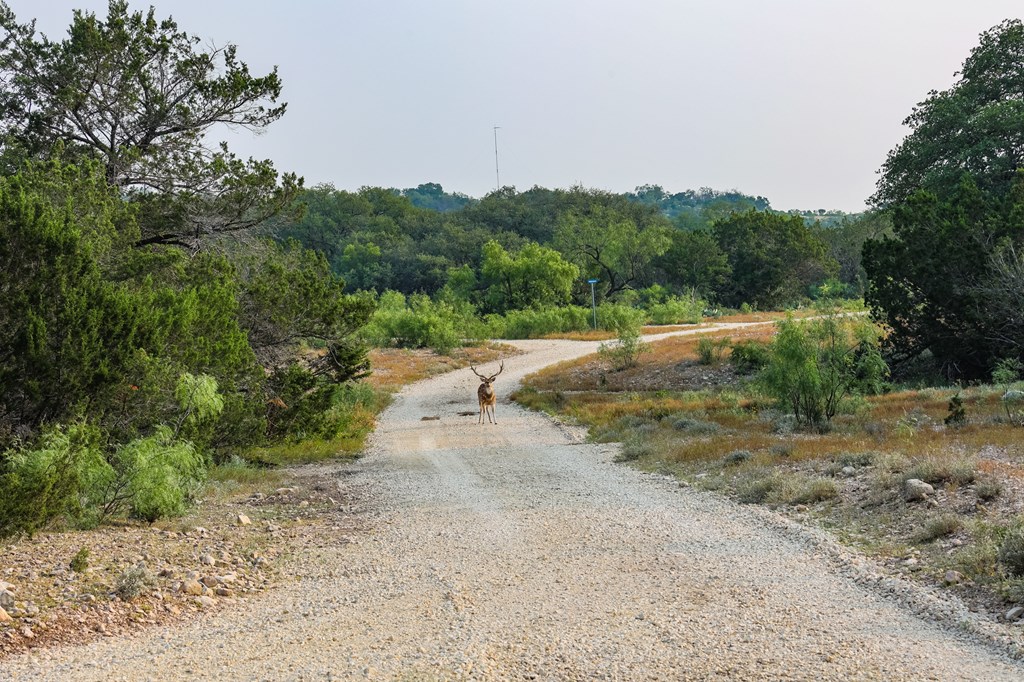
x,y
795,100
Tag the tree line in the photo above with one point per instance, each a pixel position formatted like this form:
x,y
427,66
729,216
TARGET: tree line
x,y
497,251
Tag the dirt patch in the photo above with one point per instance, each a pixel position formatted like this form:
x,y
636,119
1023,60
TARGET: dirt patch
x,y
184,567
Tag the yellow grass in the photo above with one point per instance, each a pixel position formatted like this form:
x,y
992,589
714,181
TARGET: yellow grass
x,y
394,368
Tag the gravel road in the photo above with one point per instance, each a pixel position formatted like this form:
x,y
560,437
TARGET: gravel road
x,y
516,551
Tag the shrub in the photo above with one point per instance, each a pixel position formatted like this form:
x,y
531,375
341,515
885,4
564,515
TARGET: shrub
x,y
748,357
157,476
957,416
855,459
941,470
694,426
414,323
757,489
625,352
634,449
63,476
815,365
710,351
988,489
618,318
1011,551
533,323
938,527
80,562
814,490
737,457
133,582
677,310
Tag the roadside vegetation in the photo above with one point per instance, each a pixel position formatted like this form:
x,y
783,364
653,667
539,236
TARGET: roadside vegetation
x,y
928,480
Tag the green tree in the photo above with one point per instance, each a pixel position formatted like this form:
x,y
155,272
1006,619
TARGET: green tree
x,y
694,261
973,128
927,280
290,297
140,96
813,366
534,277
845,242
774,259
611,246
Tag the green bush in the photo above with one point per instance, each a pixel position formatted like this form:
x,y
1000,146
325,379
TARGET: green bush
x,y
710,351
1011,551
855,459
748,357
414,323
133,582
813,490
616,317
677,310
988,489
755,490
63,477
80,562
938,527
940,470
694,426
634,449
737,457
156,476
67,476
534,323
815,365
625,352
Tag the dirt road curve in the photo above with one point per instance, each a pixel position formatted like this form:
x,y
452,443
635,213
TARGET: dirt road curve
x,y
515,552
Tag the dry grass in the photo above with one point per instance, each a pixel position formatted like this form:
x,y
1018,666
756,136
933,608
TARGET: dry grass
x,y
688,420
592,335
394,368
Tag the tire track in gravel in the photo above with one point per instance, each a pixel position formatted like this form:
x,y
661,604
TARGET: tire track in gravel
x,y
516,551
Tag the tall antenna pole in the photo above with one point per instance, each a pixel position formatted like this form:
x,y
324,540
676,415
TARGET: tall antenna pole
x,y
497,175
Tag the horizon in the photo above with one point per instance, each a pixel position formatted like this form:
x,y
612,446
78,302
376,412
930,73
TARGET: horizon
x,y
796,101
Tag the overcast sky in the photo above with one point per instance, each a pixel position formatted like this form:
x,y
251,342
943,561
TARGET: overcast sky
x,y
795,100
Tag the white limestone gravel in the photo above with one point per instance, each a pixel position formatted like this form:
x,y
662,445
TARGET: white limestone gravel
x,y
516,551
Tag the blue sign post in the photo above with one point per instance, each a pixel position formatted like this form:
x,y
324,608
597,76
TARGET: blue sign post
x,y
593,298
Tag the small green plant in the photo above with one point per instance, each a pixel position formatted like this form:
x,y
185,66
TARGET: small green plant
x,y
815,366
634,449
957,416
625,352
1011,552
938,527
694,426
988,489
710,351
942,470
856,459
133,582
748,357
755,490
80,562
814,490
736,457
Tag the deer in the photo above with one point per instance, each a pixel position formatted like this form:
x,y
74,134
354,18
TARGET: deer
x,y
486,394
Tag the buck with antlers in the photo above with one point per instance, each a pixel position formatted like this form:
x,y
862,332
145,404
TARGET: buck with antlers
x,y
486,394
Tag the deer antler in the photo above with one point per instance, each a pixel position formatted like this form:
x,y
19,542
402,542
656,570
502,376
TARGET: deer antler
x,y
500,370
476,372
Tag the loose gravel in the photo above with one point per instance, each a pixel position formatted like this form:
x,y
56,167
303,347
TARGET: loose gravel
x,y
516,551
